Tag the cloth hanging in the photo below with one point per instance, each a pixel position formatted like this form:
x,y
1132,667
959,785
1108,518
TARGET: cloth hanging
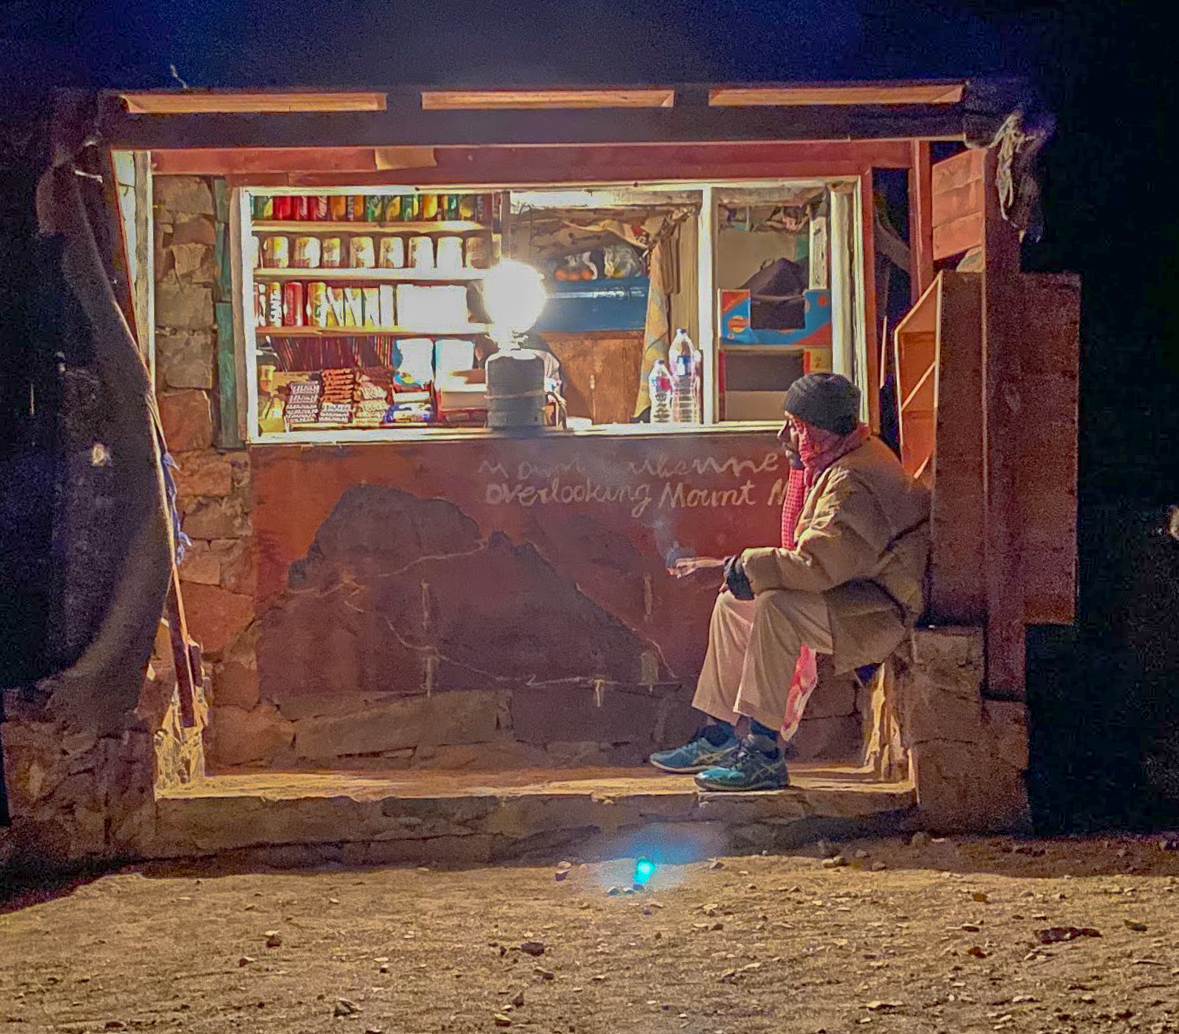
x,y
818,449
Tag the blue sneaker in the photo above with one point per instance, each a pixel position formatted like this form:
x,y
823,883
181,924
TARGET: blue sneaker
x,y
695,756
750,767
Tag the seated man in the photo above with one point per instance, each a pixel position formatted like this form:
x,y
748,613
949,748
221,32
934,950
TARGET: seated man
x,y
850,587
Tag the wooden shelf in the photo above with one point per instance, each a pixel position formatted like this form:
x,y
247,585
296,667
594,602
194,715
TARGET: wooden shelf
x,y
424,276
470,330
739,348
308,228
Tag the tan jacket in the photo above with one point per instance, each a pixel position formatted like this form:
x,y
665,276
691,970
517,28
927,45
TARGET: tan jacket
x,y
863,542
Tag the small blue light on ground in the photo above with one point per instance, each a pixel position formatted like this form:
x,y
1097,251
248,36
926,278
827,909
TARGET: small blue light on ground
x,y
644,870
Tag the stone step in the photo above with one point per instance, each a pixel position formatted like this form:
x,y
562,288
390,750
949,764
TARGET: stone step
x,y
368,818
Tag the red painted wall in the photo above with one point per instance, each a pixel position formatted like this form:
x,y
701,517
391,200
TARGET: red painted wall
x,y
603,514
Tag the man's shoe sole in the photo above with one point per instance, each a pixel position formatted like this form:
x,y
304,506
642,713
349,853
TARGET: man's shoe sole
x,y
679,771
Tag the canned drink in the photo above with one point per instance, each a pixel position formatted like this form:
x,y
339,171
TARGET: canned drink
x,y
317,208
301,208
307,253
449,255
332,253
356,208
338,204
273,304
361,254
481,208
392,253
409,208
293,311
428,207
353,307
421,253
372,306
317,304
276,252
263,206
374,208
477,253
282,207
452,207
467,206
393,208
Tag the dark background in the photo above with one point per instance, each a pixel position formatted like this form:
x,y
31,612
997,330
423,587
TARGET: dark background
x,y
1105,694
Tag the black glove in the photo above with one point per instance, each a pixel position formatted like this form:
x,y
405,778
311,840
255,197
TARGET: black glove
x,y
736,579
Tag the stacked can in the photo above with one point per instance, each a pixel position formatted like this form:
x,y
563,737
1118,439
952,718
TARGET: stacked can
x,y
293,311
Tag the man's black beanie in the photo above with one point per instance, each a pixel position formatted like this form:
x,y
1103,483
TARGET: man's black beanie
x,y
827,400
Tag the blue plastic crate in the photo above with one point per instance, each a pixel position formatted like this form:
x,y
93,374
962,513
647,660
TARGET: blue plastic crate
x,y
595,305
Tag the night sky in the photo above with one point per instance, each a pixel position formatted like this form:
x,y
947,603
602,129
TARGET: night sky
x,y
1103,68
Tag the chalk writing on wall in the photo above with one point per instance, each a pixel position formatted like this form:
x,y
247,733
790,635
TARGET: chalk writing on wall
x,y
656,483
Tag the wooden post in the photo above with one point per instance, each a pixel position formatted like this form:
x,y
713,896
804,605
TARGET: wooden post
x,y
871,352
920,220
1003,415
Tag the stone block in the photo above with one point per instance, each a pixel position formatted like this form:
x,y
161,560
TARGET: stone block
x,y
962,787
238,569
184,306
186,359
200,564
444,718
187,419
193,262
480,757
199,230
834,696
546,714
1007,732
235,677
203,472
179,196
215,616
214,518
239,737
939,688
838,738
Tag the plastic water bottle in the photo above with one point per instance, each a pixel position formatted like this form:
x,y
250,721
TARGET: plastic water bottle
x,y
659,385
683,379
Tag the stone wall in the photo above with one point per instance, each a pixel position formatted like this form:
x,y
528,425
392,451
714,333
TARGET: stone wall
x,y
213,484
968,754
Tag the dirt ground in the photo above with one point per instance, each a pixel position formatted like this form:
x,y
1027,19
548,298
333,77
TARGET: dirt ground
x,y
946,937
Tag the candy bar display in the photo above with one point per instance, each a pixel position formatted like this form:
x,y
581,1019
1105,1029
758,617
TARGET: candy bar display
x,y
303,402
350,293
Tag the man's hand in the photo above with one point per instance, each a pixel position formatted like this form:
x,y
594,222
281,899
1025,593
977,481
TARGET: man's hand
x,y
736,580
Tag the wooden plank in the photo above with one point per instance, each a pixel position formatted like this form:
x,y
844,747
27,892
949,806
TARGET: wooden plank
x,y
865,93
171,102
920,220
957,170
1049,463
956,561
1003,335
184,161
959,236
871,330
343,165
227,386
534,127
951,205
488,100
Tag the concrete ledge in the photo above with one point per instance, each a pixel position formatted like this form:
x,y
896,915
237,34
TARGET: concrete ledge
x,y
301,819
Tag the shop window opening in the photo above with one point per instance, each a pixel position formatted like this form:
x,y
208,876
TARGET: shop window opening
x,y
364,316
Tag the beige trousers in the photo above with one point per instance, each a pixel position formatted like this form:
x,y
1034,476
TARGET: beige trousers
x,y
752,649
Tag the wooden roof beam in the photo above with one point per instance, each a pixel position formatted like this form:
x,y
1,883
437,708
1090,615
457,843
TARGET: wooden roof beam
x,y
408,128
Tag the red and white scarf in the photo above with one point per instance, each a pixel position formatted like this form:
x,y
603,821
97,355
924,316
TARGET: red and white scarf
x,y
818,449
